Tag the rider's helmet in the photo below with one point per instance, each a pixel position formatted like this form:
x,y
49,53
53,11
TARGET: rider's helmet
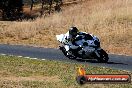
x,y
73,31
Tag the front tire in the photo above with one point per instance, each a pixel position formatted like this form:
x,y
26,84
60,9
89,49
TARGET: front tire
x,y
103,56
70,56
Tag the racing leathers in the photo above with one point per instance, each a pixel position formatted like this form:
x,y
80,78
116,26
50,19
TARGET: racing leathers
x,y
69,40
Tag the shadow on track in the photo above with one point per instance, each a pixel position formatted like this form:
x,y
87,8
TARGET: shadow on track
x,y
116,63
95,61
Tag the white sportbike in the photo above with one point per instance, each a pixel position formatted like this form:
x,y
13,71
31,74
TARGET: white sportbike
x,y
87,49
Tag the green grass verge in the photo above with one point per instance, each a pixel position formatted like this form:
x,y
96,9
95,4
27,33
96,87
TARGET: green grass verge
x,y
26,73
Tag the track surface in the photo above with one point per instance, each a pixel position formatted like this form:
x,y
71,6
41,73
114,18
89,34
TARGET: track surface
x,y
116,61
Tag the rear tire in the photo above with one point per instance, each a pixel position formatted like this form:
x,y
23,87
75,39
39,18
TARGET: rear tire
x,y
103,56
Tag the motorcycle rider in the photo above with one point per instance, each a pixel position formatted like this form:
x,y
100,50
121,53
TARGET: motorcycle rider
x,y
74,35
72,40
69,39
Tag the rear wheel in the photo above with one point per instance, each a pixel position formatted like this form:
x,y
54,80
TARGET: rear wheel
x,y
103,56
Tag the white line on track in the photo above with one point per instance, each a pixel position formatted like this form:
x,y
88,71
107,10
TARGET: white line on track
x,y
33,58
43,59
26,57
2,54
11,55
19,56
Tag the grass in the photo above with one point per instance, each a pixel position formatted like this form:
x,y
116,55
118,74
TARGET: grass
x,y
110,20
26,73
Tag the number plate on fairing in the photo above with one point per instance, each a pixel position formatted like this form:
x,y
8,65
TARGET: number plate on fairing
x,y
89,49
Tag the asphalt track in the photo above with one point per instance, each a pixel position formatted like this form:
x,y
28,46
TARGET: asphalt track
x,y
120,62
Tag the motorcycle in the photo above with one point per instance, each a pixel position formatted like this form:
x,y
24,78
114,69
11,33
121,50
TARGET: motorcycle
x,y
88,49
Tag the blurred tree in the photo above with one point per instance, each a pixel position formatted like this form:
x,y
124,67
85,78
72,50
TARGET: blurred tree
x,y
11,9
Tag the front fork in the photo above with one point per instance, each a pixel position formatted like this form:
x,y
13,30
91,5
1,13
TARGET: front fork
x,y
62,48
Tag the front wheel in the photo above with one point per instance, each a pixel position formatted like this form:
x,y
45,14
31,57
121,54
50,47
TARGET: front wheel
x,y
103,56
70,56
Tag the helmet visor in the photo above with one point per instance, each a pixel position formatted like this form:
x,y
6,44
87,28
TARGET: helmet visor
x,y
74,34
